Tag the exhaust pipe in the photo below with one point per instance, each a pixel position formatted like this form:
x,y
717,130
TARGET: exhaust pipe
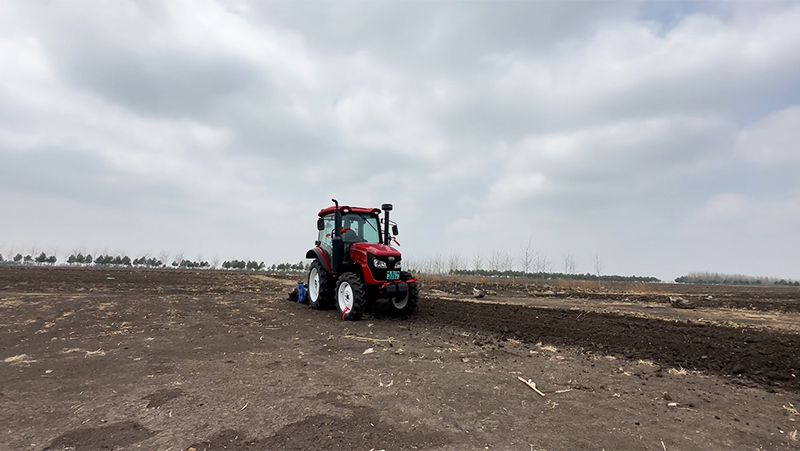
x,y
337,243
386,209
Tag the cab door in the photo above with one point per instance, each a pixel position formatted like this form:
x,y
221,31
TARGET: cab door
x,y
326,235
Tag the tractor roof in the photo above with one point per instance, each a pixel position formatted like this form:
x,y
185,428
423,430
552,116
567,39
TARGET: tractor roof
x,y
347,209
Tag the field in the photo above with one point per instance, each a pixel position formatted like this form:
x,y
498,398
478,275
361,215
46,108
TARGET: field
x,y
121,359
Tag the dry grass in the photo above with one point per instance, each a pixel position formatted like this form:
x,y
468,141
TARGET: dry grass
x,y
368,339
99,353
20,359
548,348
677,372
11,303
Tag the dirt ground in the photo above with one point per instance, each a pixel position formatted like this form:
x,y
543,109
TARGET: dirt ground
x,y
119,359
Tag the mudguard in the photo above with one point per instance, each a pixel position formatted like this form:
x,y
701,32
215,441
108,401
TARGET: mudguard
x,y
319,254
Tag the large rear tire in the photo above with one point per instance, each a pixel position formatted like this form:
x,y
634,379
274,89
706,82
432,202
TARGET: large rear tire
x,y
320,286
351,297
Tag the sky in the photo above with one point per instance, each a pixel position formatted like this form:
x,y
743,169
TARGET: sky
x,y
656,138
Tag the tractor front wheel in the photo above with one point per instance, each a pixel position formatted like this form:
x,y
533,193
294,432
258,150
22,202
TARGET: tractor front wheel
x,y
408,304
351,298
320,286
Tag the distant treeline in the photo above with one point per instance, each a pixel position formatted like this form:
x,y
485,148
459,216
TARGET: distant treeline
x,y
108,260
552,275
712,278
289,267
241,264
29,259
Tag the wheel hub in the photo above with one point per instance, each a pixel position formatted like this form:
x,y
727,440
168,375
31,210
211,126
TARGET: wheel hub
x,y
400,303
313,284
345,296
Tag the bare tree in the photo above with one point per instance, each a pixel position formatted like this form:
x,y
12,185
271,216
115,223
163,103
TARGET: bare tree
x,y
477,262
526,260
545,263
569,264
598,268
453,263
495,260
178,258
425,266
506,262
437,264
215,261
163,257
541,263
422,266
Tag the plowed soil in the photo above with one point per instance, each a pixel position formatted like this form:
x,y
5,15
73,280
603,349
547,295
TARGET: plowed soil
x,y
121,359
759,298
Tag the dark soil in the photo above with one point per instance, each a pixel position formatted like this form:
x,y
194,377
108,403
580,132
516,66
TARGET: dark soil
x,y
161,397
747,355
362,426
112,436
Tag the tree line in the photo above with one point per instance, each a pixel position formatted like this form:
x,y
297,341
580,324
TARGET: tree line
x,y
241,264
553,275
290,267
712,278
29,259
108,260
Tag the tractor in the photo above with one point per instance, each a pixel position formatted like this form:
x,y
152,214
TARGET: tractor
x,y
354,265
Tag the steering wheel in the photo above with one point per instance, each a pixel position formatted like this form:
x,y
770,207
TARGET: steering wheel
x,y
341,232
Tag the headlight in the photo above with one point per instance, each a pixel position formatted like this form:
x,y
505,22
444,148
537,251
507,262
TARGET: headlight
x,y
379,263
398,265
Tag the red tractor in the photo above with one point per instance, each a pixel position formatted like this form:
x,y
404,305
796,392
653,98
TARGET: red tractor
x,y
354,264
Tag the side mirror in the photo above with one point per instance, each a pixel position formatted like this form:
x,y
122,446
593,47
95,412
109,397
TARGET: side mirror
x,y
394,230
320,224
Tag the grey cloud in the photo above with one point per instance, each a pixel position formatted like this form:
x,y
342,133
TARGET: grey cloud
x,y
436,34
77,176
134,66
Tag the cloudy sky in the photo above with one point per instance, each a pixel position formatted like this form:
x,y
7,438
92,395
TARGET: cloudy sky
x,y
661,137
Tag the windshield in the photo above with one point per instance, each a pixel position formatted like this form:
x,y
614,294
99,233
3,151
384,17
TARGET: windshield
x,y
362,228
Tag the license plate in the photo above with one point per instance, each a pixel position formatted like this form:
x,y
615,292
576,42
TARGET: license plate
x,y
392,275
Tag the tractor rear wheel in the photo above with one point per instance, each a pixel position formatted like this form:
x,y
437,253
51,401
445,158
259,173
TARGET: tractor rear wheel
x,y
351,297
406,305
320,286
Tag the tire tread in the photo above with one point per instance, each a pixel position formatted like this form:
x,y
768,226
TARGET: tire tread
x,y
359,296
326,286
